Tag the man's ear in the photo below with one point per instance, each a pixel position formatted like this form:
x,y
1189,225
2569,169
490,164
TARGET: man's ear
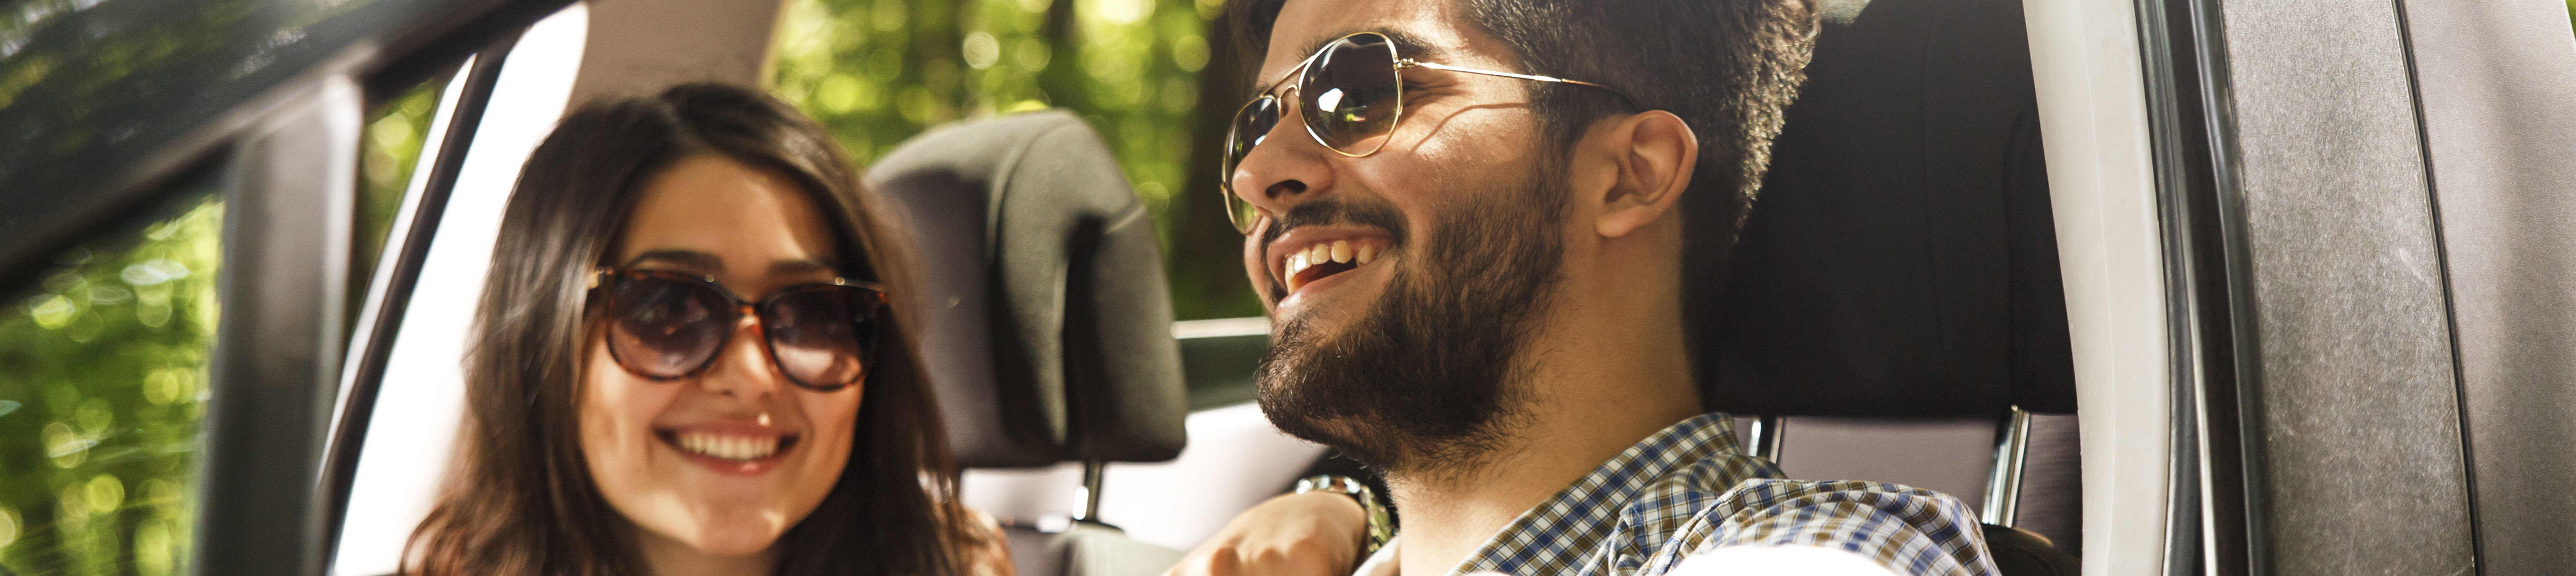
x,y
1655,152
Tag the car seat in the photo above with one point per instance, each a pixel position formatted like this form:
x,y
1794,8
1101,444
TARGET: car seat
x,y
1901,263
1048,337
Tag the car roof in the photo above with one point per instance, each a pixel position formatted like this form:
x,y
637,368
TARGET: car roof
x,y
98,100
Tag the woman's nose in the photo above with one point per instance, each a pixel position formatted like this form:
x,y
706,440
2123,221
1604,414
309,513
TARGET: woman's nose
x,y
742,369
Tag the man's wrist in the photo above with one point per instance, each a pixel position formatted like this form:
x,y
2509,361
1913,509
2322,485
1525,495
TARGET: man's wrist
x,y
1380,525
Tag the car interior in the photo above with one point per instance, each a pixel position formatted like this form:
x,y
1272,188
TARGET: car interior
x,y
1910,302
1050,339
1900,265
1892,315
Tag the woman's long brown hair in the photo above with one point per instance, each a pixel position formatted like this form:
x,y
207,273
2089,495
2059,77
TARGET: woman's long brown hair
x,y
518,498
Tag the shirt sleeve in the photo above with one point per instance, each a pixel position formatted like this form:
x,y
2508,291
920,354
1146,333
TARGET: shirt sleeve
x,y
1909,530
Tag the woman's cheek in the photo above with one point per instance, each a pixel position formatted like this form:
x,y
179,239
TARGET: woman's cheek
x,y
615,416
836,416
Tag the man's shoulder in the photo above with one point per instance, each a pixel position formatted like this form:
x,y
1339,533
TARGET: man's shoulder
x,y
1909,530
1667,517
1695,487
1728,498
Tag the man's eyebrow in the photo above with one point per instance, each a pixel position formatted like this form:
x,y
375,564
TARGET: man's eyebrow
x,y
1407,45
693,260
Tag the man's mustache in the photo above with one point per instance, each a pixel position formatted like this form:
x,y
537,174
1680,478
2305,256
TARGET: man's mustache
x,y
1335,212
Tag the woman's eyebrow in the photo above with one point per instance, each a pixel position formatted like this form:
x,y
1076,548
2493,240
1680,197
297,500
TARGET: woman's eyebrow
x,y
690,259
798,266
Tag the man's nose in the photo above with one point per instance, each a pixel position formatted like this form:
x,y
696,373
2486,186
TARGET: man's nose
x,y
742,369
1286,167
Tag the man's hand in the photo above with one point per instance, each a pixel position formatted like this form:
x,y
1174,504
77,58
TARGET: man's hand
x,y
1311,534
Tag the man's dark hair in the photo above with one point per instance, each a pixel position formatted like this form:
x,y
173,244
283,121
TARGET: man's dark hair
x,y
1726,67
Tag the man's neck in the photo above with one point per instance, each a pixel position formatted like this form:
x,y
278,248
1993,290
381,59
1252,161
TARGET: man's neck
x,y
1590,399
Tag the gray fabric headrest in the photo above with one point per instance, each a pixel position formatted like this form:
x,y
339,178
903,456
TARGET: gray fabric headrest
x,y
1050,335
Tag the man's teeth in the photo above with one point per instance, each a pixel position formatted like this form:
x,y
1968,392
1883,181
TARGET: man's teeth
x,y
729,447
1343,251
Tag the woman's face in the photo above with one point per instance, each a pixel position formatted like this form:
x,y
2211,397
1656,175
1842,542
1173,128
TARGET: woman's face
x,y
648,442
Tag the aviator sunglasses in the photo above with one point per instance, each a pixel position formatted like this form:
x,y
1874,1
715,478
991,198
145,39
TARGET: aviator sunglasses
x,y
1350,95
669,325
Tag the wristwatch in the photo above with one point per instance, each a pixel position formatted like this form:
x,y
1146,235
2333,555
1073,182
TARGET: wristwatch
x,y
1381,525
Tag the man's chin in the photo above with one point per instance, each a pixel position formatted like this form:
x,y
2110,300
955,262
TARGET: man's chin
x,y
1395,448
1374,445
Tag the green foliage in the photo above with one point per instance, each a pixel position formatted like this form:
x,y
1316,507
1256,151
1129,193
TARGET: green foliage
x,y
879,71
876,72
103,366
388,150
386,156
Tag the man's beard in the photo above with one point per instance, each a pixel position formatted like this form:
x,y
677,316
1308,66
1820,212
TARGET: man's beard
x,y
1426,381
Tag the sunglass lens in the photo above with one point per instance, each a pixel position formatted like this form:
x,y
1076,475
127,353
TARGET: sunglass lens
x,y
821,334
665,328
1251,124
1349,95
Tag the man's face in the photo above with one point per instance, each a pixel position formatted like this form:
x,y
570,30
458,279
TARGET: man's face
x,y
1404,284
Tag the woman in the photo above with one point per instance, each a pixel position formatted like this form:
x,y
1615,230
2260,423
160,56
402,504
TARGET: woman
x,y
684,364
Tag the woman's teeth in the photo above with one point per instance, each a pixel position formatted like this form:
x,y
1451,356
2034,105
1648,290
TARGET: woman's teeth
x,y
729,447
1344,251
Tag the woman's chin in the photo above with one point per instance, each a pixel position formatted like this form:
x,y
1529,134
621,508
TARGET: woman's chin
x,y
737,544
733,539
725,535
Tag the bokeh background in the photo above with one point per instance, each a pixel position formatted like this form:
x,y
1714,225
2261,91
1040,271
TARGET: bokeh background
x,y
878,71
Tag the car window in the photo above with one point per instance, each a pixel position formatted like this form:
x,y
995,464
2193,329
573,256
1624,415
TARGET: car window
x,y
876,72
387,153
419,401
103,361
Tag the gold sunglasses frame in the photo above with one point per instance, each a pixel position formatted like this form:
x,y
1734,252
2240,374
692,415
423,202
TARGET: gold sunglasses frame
x,y
1226,172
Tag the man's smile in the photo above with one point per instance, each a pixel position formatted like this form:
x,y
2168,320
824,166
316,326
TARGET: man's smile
x,y
1302,258
1321,259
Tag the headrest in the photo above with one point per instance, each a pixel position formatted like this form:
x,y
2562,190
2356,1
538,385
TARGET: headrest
x,y
1901,260
1050,335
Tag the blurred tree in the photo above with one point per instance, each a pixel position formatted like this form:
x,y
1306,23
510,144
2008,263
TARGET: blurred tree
x,y
878,71
103,358
103,370
387,152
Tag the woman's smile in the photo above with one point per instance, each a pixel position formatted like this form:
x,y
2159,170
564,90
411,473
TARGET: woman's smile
x,y
741,449
733,447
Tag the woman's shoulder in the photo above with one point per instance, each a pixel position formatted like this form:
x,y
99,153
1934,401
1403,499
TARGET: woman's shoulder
x,y
986,550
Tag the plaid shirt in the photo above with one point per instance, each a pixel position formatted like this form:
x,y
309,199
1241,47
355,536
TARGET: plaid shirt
x,y
1690,489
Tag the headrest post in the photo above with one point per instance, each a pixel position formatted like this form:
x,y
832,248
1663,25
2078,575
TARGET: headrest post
x,y
1091,470
1765,438
2003,485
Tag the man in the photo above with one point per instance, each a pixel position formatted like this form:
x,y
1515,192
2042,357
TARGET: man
x,y
1473,222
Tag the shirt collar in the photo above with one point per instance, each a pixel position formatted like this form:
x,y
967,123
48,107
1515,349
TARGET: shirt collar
x,y
1576,519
